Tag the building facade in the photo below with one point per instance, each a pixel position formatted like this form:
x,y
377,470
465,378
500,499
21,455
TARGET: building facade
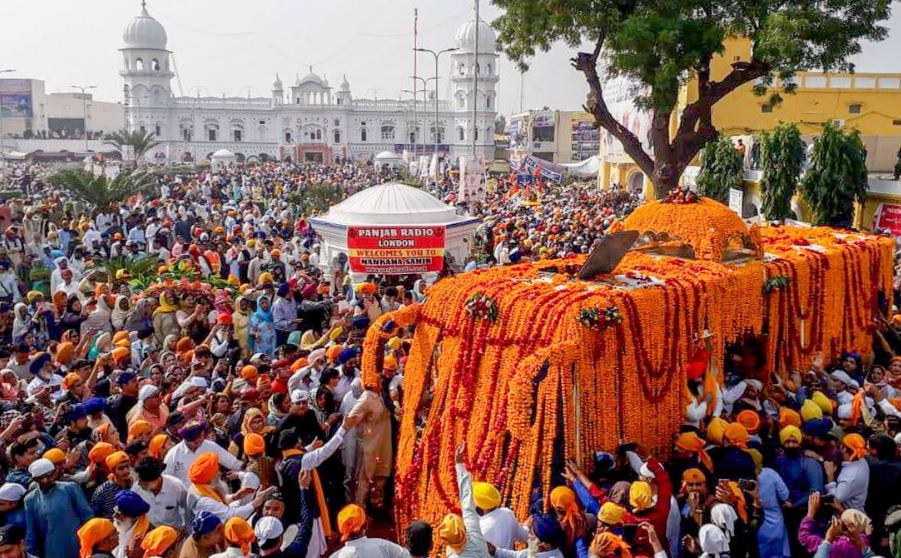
x,y
308,120
28,111
867,102
556,136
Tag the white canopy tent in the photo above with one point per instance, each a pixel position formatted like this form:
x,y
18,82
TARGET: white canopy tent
x,y
222,159
586,168
392,204
388,159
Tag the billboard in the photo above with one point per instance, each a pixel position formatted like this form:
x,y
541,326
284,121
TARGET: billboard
x,y
619,94
888,217
585,137
395,249
519,135
15,98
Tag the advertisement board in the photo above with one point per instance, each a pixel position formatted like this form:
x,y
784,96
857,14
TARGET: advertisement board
x,y
619,94
888,217
15,98
472,180
395,249
585,137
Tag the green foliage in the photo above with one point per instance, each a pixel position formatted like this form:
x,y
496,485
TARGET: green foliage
x,y
317,198
141,271
661,45
142,142
99,192
722,168
782,159
836,176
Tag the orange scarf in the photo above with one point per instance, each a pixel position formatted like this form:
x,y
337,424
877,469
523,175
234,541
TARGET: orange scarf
x,y
320,495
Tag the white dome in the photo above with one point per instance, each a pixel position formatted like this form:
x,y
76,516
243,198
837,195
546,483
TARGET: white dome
x,y
312,78
466,33
145,32
387,156
223,153
392,204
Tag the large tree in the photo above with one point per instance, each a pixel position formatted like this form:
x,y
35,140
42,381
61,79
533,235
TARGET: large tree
x,y
662,44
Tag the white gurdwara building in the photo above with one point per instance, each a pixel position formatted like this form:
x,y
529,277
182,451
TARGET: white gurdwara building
x,y
309,120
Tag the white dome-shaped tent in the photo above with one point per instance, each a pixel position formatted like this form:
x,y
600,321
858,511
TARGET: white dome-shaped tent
x,y
388,159
392,222
222,159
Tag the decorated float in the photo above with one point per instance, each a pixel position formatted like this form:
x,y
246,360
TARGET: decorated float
x,y
531,365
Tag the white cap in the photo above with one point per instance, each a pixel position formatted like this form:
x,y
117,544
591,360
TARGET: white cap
x,y
12,492
268,528
299,395
646,471
41,467
844,378
147,391
197,381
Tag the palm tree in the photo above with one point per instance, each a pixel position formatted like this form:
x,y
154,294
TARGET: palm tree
x,y
142,142
99,192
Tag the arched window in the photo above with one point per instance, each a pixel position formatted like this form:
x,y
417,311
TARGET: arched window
x,y
237,133
158,129
488,69
363,134
142,128
477,134
461,101
337,122
337,136
462,69
212,132
155,65
387,132
440,133
139,65
461,134
488,102
287,137
317,134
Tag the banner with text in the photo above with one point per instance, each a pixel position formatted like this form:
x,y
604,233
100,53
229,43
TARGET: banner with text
x,y
395,250
888,217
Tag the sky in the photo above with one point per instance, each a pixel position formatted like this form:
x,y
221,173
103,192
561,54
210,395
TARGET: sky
x,y
235,47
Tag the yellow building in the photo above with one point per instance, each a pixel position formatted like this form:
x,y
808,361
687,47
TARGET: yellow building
x,y
869,102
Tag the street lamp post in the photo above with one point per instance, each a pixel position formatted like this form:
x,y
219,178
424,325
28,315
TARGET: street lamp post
x,y
84,107
2,157
425,99
436,55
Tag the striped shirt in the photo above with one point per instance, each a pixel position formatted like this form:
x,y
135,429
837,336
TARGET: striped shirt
x,y
104,500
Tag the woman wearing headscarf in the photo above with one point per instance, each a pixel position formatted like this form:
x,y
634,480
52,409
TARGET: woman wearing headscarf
x,y
254,422
713,542
120,313
99,318
22,322
164,321
261,329
240,319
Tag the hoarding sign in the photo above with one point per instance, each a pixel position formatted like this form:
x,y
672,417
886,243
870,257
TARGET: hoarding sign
x,y
395,250
15,98
888,217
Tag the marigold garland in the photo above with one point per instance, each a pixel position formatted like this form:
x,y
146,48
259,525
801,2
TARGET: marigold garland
x,y
535,383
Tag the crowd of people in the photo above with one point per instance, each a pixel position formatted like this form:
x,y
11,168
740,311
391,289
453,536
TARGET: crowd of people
x,y
193,422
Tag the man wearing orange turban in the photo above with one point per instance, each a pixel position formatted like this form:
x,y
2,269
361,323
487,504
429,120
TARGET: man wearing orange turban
x,y
789,417
563,502
159,542
239,534
750,420
64,352
691,443
851,484
202,473
98,535
716,430
119,479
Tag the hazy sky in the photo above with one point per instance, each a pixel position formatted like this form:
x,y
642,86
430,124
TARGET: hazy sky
x,y
228,46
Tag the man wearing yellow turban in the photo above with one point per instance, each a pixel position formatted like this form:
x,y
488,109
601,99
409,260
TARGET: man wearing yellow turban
x,y
612,515
463,535
823,402
499,525
352,523
716,430
811,411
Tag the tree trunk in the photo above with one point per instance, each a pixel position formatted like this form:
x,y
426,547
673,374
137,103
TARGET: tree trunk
x,y
664,179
